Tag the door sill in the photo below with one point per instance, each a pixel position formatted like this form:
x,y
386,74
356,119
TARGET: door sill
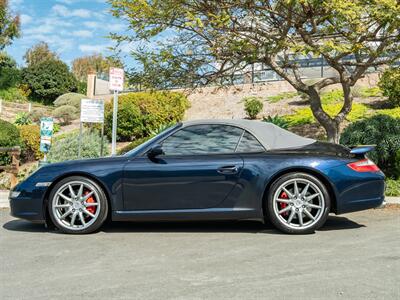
x,y
187,214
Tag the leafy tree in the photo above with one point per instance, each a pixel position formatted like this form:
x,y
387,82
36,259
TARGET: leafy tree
x,y
9,73
96,63
209,41
39,53
9,25
49,79
390,85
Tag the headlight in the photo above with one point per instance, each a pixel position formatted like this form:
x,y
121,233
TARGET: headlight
x,y
14,194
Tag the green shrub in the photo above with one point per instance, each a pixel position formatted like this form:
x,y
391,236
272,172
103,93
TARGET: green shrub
x,y
37,113
304,115
22,118
72,99
390,85
282,96
9,137
49,79
382,131
139,114
130,124
56,128
30,137
392,187
397,164
253,106
13,94
277,120
67,147
66,114
160,129
133,145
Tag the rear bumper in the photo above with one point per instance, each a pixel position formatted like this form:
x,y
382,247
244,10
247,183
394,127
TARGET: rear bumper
x,y
361,196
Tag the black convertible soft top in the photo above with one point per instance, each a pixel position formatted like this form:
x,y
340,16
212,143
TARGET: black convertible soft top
x,y
270,136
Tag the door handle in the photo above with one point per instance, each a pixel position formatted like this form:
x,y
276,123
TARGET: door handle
x,y
228,170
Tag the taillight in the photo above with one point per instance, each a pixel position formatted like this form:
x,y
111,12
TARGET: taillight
x,y
364,165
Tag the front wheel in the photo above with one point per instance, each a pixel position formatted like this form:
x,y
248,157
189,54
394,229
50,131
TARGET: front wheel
x,y
77,205
298,203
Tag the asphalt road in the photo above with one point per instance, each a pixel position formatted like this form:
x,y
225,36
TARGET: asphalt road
x,y
355,256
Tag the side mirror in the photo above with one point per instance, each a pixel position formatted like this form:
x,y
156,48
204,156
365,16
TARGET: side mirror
x,y
156,150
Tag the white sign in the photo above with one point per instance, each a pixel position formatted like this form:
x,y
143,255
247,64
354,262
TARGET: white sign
x,y
116,82
92,111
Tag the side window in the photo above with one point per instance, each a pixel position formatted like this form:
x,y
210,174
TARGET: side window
x,y
249,143
203,139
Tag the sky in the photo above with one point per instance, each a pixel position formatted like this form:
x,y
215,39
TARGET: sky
x,y
71,28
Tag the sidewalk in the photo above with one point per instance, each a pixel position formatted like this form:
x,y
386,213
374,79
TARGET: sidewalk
x,y
5,204
4,198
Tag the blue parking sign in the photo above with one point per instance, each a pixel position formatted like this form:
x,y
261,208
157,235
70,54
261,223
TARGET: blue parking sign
x,y
46,132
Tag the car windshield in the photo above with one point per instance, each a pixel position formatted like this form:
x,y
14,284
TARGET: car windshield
x,y
162,134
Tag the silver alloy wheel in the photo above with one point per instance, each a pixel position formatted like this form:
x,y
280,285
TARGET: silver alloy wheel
x,y
70,206
298,203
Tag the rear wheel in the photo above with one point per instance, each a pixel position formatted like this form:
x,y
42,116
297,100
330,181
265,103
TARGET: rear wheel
x,y
298,203
77,205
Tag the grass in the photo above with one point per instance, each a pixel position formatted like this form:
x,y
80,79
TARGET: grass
x,y
392,187
331,97
335,96
365,92
393,112
282,96
304,115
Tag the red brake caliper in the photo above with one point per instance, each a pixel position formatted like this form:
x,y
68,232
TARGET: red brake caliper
x,y
91,209
283,205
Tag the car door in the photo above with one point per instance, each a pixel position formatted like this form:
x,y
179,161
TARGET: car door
x,y
198,170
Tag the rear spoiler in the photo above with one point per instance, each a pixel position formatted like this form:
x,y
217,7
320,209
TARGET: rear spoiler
x,y
361,150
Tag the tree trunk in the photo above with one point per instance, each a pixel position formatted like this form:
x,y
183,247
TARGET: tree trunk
x,y
332,132
331,126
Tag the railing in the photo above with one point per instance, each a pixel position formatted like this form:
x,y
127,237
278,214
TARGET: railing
x,y
309,69
13,168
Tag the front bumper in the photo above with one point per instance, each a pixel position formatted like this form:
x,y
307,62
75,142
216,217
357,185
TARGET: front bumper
x,y
26,208
27,201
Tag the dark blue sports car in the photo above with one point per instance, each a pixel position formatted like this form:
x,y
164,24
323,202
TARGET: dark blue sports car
x,y
206,170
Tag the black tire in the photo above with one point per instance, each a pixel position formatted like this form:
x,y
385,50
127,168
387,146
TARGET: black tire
x,y
102,199
274,217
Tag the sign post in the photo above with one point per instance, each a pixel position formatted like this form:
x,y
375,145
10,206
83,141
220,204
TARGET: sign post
x,y
92,111
46,132
116,84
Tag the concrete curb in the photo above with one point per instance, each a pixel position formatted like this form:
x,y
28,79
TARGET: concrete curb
x,y
392,200
5,204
